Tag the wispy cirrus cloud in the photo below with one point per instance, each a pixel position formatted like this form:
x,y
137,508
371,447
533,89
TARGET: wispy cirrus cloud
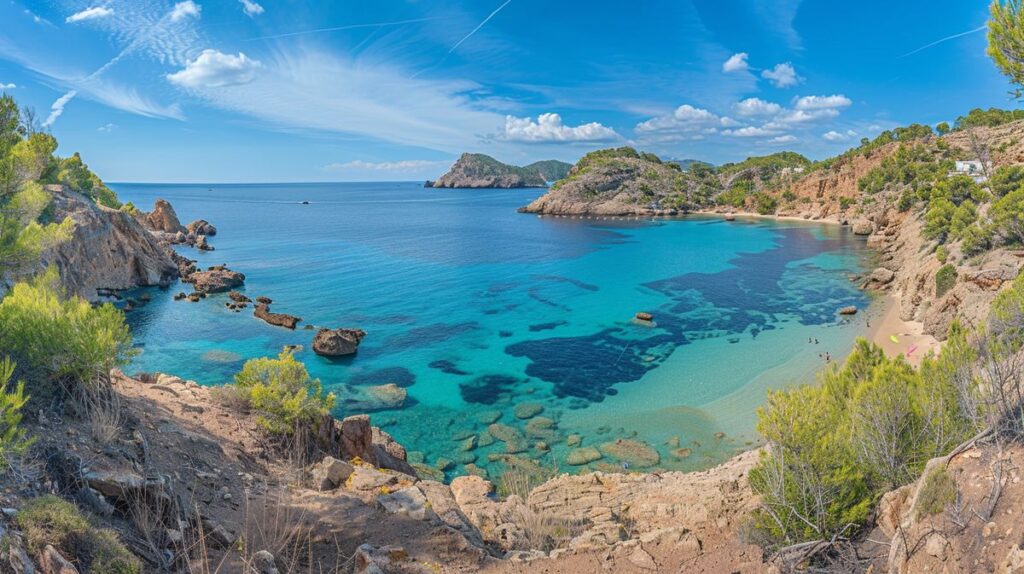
x,y
9,86
387,166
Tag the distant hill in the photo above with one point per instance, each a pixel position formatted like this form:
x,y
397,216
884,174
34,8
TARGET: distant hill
x,y
686,164
551,169
477,170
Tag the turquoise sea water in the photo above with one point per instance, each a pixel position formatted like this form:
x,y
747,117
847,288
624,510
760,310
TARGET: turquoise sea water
x,y
474,309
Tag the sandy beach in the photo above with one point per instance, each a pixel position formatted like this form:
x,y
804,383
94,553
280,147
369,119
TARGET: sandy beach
x,y
911,341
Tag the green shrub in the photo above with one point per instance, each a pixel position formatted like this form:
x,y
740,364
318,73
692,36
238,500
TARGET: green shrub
x,y
844,203
945,279
765,204
1006,179
835,447
283,394
941,253
13,441
60,340
50,520
1006,216
907,200
937,492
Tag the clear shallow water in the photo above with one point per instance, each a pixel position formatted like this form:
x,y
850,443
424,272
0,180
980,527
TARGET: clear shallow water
x,y
474,309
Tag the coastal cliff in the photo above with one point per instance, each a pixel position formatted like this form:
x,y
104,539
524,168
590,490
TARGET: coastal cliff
x,y
109,248
476,170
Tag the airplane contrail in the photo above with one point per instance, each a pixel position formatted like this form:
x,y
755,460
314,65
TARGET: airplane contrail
x,y
346,27
480,25
946,39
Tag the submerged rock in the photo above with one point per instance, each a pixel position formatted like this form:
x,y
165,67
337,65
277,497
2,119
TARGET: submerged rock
x,y
513,439
337,342
528,410
584,455
633,452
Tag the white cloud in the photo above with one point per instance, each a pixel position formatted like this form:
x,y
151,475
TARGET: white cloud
x,y
834,136
214,69
185,9
93,13
107,128
57,108
736,63
756,107
790,117
782,75
549,128
10,86
786,139
403,165
750,132
251,9
822,102
684,118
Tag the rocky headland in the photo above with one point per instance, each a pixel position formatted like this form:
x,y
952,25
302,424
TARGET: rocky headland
x,y
109,249
476,170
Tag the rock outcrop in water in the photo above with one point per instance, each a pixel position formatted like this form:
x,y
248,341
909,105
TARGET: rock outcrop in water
x,y
217,279
337,342
163,218
108,249
262,311
476,170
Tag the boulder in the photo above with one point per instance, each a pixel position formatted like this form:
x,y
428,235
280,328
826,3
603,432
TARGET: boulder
x,y
330,473
377,398
849,310
337,342
263,563
367,478
863,227
408,501
513,439
881,276
262,311
216,280
201,227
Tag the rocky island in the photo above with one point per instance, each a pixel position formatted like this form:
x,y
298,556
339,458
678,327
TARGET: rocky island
x,y
477,170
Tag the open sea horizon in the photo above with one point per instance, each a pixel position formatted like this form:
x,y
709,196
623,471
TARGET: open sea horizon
x,y
512,334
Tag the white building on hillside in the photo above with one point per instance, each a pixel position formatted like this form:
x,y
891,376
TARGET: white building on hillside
x,y
974,169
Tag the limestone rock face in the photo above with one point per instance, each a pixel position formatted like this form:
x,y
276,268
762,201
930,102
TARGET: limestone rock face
x,y
337,342
163,218
108,249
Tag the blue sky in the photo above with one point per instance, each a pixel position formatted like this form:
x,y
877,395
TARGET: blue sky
x,y
281,90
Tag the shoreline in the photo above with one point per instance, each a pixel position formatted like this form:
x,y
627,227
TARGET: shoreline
x,y
910,334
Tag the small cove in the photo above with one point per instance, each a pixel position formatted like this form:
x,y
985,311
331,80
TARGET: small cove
x,y
475,309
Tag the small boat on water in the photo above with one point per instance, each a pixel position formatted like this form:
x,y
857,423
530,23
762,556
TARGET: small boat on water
x,y
304,202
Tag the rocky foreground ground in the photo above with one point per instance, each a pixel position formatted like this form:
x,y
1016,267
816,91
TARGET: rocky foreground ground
x,y
192,484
